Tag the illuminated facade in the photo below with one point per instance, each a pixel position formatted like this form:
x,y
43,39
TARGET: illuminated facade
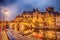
x,y
28,21
58,20
35,18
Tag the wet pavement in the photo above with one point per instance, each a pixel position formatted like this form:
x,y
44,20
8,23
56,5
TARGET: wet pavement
x,y
14,35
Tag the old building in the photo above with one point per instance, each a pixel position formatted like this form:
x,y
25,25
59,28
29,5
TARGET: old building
x,y
30,22
58,20
35,18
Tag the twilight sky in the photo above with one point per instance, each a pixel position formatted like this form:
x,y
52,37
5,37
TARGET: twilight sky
x,y
16,7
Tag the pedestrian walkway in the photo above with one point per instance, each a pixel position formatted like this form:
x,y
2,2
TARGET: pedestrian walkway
x,y
4,36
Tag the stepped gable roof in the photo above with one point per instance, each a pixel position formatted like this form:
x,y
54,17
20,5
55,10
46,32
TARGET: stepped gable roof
x,y
30,12
34,10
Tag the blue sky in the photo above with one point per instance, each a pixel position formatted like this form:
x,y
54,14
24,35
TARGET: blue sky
x,y
18,6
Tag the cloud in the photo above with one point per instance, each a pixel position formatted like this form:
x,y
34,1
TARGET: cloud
x,y
18,6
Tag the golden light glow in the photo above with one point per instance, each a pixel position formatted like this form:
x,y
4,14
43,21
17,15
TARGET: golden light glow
x,y
6,11
50,34
27,22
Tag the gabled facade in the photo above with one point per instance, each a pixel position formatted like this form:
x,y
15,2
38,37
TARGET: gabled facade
x,y
36,18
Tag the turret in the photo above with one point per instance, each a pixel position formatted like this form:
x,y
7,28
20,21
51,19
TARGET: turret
x,y
35,9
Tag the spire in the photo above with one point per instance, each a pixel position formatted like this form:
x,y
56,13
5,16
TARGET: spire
x,y
35,9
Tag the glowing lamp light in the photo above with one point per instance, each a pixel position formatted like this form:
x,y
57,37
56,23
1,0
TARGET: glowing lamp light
x,y
6,12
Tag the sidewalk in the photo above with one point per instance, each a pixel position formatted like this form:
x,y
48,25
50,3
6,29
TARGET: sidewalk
x,y
4,36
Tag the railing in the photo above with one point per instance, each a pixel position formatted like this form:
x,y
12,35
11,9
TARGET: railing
x,y
11,37
47,28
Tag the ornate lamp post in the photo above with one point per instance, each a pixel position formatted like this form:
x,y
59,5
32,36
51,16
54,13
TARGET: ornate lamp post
x,y
5,14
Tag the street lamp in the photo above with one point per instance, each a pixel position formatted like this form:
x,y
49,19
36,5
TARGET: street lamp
x,y
5,14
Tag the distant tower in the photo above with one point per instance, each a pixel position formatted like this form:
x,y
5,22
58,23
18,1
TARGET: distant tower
x,y
35,9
